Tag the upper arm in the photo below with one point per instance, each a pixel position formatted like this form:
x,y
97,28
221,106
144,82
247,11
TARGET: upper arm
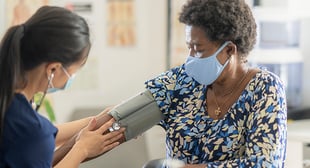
x,y
162,88
266,134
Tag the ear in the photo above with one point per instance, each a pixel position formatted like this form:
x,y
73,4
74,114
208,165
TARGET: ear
x,y
231,49
53,68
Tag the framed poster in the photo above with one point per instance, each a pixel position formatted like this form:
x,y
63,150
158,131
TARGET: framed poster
x,y
14,12
121,23
18,11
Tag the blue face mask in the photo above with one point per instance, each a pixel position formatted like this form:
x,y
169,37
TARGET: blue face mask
x,y
52,89
205,70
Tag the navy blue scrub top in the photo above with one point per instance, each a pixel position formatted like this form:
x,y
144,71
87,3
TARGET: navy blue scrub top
x,y
28,138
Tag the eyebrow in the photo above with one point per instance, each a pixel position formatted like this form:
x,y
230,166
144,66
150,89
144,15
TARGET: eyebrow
x,y
194,43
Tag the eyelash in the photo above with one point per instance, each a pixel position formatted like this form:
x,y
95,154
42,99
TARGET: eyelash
x,y
198,54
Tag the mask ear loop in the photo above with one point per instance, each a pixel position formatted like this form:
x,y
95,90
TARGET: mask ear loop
x,y
50,78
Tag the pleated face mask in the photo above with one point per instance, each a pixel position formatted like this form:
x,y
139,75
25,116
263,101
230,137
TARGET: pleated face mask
x,y
205,70
52,89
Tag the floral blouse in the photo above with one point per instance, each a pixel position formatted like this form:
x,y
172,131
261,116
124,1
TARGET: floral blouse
x,y
251,134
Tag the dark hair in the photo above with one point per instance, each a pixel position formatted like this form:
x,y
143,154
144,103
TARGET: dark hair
x,y
52,34
222,20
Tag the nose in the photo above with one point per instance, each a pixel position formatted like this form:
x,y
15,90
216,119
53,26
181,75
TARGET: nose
x,y
192,52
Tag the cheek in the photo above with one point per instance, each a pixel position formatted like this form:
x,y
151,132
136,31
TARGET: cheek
x,y
59,81
74,68
222,58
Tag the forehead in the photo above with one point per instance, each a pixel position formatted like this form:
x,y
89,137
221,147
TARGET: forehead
x,y
77,65
194,35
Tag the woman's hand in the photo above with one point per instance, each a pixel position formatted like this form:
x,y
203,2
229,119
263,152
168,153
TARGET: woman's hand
x,y
94,142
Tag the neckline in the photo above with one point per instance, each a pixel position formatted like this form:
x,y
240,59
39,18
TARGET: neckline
x,y
228,95
22,96
247,87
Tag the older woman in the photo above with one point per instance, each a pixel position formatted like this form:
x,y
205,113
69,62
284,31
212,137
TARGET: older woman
x,y
221,112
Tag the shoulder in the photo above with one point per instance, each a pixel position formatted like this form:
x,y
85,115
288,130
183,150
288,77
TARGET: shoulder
x,y
266,88
175,77
21,121
167,77
269,77
26,131
19,111
267,80
163,81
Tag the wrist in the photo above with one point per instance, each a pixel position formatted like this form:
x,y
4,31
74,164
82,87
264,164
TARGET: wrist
x,y
80,148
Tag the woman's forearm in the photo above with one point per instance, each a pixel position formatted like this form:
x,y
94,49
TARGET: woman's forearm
x,y
62,151
88,143
73,158
69,129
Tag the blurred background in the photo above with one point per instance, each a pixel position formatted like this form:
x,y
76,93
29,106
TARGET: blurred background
x,y
135,40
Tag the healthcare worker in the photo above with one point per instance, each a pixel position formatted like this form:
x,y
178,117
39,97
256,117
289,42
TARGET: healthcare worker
x,y
43,55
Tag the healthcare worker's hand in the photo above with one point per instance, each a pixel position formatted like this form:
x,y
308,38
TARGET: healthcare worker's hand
x,y
94,142
104,117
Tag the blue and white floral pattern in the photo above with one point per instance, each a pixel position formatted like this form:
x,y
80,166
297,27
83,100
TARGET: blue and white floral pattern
x,y
251,134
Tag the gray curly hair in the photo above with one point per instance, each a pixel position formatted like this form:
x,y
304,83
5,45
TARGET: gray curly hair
x,y
222,20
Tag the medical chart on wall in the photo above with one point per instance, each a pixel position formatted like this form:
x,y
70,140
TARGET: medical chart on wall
x,y
121,23
18,11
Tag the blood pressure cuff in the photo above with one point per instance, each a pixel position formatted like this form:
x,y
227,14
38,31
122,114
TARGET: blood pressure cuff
x,y
137,114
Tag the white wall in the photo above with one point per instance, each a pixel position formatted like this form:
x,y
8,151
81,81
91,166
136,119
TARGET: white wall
x,y
2,16
297,9
305,42
121,72
274,3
